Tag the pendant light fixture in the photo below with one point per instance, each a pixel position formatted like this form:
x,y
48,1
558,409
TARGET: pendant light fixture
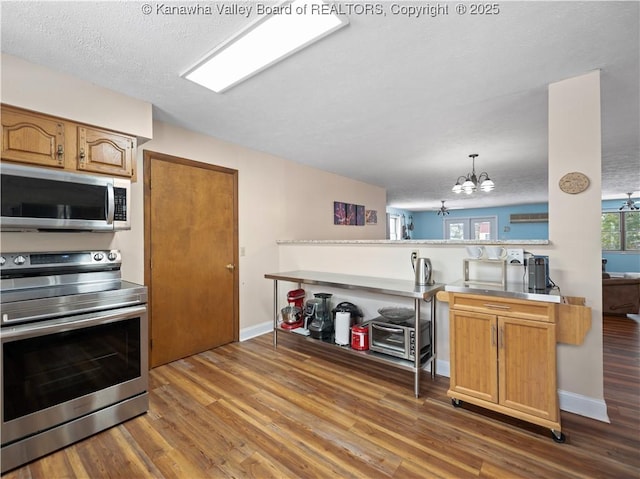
x,y
443,209
469,183
629,203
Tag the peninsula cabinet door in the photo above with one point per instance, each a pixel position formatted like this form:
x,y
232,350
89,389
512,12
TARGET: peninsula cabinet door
x,y
527,358
474,357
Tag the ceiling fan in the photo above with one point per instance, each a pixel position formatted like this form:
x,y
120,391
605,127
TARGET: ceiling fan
x,y
443,209
629,203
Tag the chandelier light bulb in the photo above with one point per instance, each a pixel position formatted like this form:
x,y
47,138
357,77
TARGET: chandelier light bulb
x,y
468,187
487,185
457,188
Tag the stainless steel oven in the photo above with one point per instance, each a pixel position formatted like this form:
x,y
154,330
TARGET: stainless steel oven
x,y
398,338
74,343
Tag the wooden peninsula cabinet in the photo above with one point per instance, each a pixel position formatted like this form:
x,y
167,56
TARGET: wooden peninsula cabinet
x,y
38,139
503,354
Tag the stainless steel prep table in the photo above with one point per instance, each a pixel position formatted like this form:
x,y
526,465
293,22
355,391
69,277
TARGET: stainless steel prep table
x,y
389,286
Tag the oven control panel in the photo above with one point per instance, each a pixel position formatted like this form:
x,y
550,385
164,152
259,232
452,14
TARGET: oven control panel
x,y
80,259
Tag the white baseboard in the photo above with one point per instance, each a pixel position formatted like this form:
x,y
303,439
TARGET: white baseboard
x,y
583,405
257,330
442,368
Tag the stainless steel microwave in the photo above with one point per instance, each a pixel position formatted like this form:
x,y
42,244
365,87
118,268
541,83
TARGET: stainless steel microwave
x,y
48,200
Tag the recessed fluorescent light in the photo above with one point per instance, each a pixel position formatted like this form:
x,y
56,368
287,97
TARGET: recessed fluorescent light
x,y
264,43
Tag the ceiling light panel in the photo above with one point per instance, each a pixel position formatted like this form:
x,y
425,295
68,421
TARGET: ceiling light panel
x,y
265,42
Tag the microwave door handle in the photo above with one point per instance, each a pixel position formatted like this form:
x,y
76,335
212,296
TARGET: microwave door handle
x,y
111,204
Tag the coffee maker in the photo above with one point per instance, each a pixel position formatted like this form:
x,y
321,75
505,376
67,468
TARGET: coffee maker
x,y
318,311
539,273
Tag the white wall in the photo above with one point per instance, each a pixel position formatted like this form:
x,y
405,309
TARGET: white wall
x,y
38,88
278,199
574,250
575,220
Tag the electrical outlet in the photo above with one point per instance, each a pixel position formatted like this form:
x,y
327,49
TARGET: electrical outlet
x,y
414,255
515,256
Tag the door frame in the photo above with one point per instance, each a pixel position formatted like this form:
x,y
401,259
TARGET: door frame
x,y
148,156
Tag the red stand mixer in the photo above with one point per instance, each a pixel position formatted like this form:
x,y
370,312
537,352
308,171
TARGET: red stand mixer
x,y
292,314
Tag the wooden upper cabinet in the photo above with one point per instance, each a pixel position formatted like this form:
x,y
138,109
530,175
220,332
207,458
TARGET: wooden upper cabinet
x,y
101,151
32,138
39,139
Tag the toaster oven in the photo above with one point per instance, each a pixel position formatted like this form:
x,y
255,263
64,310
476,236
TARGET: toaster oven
x,y
398,339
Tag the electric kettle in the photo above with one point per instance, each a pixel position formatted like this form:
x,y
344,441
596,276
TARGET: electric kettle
x,y
422,270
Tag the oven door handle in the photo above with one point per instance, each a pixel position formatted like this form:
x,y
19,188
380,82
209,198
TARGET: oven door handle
x,y
387,329
62,325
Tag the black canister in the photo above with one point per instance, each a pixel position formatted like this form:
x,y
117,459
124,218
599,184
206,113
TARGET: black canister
x,y
538,276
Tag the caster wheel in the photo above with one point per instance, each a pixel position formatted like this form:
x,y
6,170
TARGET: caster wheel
x,y
558,437
456,402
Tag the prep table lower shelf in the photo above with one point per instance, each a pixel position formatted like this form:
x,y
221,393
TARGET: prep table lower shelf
x,y
405,364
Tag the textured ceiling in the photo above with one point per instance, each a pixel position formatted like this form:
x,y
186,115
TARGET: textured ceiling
x,y
390,100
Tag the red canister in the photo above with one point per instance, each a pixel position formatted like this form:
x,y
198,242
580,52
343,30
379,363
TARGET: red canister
x,y
360,337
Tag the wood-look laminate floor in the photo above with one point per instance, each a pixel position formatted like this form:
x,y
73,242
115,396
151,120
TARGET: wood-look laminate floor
x,y
245,410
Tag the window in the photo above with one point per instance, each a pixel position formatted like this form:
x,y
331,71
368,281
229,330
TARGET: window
x,y
621,230
395,227
480,228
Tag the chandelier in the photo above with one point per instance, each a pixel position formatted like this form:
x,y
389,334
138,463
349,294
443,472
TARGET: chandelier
x,y
469,183
443,209
629,203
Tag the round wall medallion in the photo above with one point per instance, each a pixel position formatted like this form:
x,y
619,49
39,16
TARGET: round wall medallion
x,y
574,182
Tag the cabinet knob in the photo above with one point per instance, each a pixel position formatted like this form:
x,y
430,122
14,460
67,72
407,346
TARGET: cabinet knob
x,y
82,155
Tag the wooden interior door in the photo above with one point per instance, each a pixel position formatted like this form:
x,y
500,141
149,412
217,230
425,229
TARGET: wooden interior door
x,y
190,256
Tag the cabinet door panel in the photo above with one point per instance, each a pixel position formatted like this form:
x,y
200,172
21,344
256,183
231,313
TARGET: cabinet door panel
x,y
106,152
30,138
527,359
474,367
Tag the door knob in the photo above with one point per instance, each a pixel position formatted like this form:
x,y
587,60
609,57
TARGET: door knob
x,y
230,267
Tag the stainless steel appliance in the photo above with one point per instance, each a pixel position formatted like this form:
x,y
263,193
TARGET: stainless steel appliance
x,y
422,270
74,350
398,338
321,325
43,199
539,273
